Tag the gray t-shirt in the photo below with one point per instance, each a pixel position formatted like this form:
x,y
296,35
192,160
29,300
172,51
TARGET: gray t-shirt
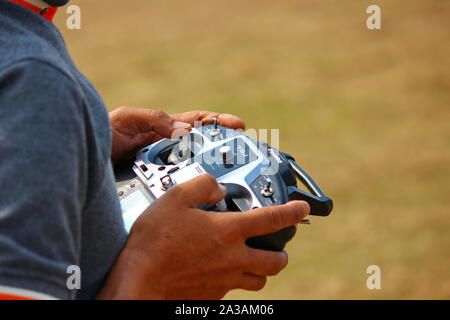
x,y
58,204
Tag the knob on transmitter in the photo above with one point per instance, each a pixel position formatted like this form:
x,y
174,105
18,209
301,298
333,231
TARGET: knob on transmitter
x,y
215,131
267,191
166,182
227,156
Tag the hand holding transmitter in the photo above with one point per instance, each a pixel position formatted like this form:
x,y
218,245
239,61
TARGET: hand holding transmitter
x,y
254,174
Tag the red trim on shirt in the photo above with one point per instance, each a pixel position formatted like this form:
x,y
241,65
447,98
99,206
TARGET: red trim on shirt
x,y
4,296
47,13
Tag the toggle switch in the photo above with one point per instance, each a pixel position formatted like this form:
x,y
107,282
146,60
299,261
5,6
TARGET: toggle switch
x,y
267,191
215,131
166,182
227,156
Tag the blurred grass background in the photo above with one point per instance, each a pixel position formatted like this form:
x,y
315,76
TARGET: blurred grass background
x,y
365,112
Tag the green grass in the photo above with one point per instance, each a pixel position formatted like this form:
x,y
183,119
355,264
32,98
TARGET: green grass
x,y
365,112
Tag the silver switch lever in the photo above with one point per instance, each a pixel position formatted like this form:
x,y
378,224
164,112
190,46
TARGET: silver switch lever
x,y
227,156
215,131
267,191
306,221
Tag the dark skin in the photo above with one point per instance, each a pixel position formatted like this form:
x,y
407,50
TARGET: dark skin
x,y
176,251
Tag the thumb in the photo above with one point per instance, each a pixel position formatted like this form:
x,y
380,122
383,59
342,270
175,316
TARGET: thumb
x,y
269,219
142,121
203,189
164,125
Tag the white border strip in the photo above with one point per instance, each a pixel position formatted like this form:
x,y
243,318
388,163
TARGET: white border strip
x,y
23,293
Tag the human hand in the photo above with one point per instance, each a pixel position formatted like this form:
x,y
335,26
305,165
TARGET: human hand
x,y
177,251
134,128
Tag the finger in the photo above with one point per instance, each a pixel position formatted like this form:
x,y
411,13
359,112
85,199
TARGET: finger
x,y
203,189
251,282
205,117
141,121
266,220
265,263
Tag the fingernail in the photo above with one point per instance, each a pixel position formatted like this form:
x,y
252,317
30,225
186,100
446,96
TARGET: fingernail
x,y
305,208
223,188
180,125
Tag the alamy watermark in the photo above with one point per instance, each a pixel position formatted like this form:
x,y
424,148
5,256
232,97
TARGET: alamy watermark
x,y
374,280
73,21
74,279
237,151
373,22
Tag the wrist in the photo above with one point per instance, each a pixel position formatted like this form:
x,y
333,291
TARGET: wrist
x,y
131,277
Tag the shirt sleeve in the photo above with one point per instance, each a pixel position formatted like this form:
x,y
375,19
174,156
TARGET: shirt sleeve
x,y
43,175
